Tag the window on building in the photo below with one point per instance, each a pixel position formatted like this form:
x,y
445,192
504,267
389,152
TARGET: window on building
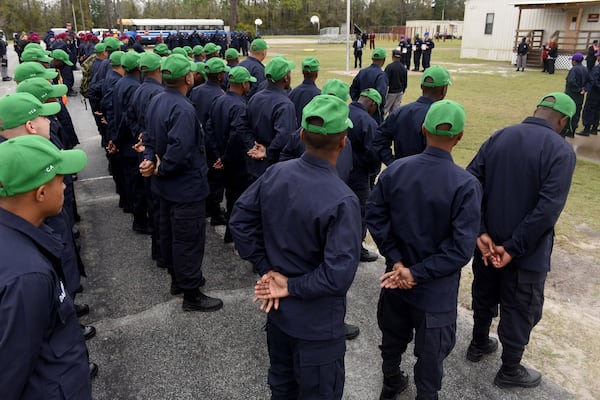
x,y
489,23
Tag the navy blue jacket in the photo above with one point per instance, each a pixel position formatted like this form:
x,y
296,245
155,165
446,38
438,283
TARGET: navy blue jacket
x,y
576,80
174,133
526,173
123,136
225,129
364,159
402,128
302,95
592,86
202,97
295,148
314,240
370,77
100,70
106,104
42,350
136,115
257,70
272,119
425,212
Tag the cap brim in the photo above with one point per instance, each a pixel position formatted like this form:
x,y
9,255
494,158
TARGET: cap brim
x,y
71,162
50,109
68,62
252,79
50,74
59,90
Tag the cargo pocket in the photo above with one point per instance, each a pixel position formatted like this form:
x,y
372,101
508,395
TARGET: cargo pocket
x,y
321,368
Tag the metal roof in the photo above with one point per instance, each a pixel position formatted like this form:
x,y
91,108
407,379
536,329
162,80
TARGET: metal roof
x,y
553,4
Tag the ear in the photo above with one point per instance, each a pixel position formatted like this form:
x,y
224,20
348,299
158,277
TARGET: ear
x,y
342,142
458,137
423,131
302,134
30,128
40,194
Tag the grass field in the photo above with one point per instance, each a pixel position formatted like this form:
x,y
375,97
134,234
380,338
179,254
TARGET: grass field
x,y
494,96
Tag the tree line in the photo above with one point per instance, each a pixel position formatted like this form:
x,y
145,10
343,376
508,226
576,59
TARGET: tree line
x,y
278,16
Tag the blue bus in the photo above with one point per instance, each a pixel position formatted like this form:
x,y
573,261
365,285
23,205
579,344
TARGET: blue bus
x,y
155,31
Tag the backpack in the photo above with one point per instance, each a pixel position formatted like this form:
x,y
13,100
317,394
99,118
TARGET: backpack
x,y
86,75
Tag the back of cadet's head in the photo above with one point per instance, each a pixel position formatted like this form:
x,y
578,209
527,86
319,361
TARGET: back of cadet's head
x,y
325,122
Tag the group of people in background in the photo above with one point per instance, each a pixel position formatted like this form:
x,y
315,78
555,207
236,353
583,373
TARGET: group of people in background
x,y
185,130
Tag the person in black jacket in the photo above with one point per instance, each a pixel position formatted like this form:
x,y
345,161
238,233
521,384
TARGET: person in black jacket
x,y
522,50
590,59
397,76
575,88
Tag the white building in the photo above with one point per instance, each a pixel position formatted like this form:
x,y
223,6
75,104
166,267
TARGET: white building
x,y
492,28
435,28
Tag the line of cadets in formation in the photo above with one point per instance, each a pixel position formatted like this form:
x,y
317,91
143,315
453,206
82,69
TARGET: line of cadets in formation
x,y
197,130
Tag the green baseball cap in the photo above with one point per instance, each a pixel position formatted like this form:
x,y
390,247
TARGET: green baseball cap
x,y
240,74
338,88
378,54
436,76
211,48
116,57
41,89
112,44
180,51
332,110
198,49
310,64
562,103
149,61
188,49
162,49
33,45
18,108
372,94
129,60
216,65
35,54
277,68
175,66
28,70
231,54
30,161
100,47
199,67
61,55
258,45
445,112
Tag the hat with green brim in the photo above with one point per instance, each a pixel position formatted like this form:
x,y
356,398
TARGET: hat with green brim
x,y
211,48
180,51
30,161
116,57
436,76
42,89
28,70
277,68
149,61
188,49
560,102
310,64
18,108
231,54
372,94
338,88
129,60
332,110
35,54
112,44
444,113
176,66
199,67
100,47
198,49
33,45
258,45
378,54
240,74
162,49
216,65
61,55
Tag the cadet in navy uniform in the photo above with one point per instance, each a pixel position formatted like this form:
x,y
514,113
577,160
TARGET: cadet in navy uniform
x,y
420,287
575,88
526,172
203,96
272,117
402,128
174,153
429,45
418,50
305,92
226,123
253,63
307,255
41,346
591,109
372,77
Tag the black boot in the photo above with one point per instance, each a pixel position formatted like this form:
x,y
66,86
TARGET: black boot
x,y
518,376
393,385
195,300
594,130
478,348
